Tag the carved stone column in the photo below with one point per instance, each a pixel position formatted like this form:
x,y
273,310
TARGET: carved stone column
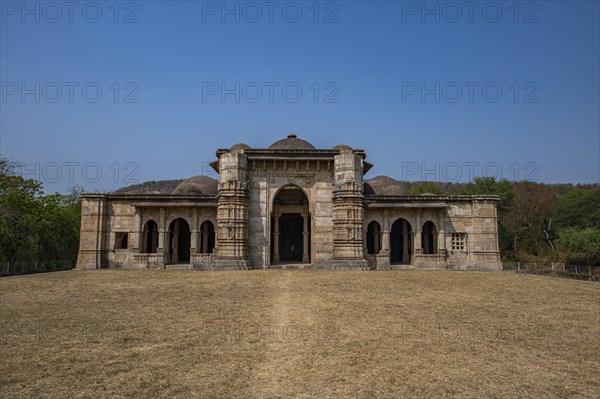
x,y
194,232
137,233
162,232
276,238
406,237
232,213
348,208
305,255
441,234
385,233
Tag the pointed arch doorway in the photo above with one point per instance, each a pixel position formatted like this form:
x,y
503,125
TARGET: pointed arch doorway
x,y
290,227
179,239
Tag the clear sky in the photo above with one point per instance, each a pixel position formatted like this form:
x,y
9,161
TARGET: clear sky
x,y
431,90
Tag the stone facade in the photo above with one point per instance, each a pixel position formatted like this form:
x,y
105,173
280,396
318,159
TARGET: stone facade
x,y
289,206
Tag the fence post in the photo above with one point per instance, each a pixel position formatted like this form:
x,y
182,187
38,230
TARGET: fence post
x,y
518,265
576,270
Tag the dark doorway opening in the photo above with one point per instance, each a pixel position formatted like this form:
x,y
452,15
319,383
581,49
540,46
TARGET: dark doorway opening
x,y
207,237
400,242
429,239
291,241
180,240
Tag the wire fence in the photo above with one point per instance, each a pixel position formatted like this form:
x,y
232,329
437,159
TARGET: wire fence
x,y
560,269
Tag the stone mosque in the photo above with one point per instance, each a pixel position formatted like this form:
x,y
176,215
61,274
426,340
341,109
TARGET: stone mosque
x,y
289,206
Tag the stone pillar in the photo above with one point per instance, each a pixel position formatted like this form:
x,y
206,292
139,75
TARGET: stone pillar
x,y
194,233
385,241
406,236
348,208
441,234
204,243
276,238
418,248
305,255
175,246
162,232
137,234
232,212
385,233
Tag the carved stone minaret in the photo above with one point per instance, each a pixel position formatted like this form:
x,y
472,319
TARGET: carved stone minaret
x,y
232,212
348,251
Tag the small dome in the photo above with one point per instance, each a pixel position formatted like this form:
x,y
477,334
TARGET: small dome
x,y
428,194
384,185
394,190
239,147
342,147
197,185
292,142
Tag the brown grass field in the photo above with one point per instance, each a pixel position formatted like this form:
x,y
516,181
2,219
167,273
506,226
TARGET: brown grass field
x,y
298,334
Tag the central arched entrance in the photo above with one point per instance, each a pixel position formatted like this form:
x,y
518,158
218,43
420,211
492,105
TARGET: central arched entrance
x,y
290,231
179,241
401,243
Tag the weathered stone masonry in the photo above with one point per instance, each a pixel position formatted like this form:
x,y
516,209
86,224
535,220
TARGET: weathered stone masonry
x,y
289,206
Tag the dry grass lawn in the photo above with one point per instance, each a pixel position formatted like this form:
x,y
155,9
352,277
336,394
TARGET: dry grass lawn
x,y
298,334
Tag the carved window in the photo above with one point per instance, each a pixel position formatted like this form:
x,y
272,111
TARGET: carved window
x,y
459,241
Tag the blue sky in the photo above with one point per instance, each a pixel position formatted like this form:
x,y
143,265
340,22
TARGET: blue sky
x,y
432,91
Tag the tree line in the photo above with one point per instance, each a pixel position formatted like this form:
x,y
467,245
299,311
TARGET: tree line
x,y
38,232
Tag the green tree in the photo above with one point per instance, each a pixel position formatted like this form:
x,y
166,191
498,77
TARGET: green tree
x,y
58,227
18,210
580,246
425,187
577,208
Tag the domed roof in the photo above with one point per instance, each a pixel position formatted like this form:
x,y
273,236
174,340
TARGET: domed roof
x,y
342,147
197,185
384,185
239,147
292,142
394,190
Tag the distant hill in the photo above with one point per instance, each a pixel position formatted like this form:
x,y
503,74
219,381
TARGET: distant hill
x,y
150,187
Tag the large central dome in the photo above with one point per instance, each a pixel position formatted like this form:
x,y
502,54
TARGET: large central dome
x,y
292,142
